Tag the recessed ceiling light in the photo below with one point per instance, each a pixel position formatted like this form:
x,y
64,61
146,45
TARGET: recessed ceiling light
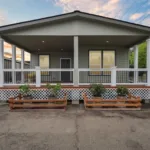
x,y
43,41
107,41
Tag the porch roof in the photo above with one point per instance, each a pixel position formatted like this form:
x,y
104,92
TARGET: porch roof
x,y
75,14
58,32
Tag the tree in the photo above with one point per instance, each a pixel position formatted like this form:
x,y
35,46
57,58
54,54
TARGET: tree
x,y
141,58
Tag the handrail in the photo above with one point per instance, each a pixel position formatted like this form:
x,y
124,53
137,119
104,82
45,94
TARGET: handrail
x,y
131,69
53,69
80,69
57,69
96,69
110,69
18,70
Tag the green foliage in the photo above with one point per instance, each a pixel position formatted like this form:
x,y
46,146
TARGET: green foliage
x,y
142,56
122,91
131,59
54,88
25,90
97,90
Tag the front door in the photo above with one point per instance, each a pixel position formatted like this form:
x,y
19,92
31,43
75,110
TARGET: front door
x,y
65,64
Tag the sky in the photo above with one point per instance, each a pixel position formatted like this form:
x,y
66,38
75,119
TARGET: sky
x,y
13,11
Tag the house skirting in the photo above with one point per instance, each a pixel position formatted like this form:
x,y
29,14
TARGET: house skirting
x,y
74,93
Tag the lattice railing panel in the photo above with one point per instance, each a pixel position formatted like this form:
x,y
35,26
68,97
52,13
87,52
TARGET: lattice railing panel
x,y
74,94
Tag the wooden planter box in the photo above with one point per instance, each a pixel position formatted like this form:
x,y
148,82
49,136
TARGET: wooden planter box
x,y
47,103
130,102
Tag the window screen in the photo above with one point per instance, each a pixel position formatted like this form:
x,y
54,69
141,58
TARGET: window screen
x,y
95,62
101,59
44,61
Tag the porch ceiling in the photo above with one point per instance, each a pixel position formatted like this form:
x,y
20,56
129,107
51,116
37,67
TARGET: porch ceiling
x,y
56,43
50,44
113,41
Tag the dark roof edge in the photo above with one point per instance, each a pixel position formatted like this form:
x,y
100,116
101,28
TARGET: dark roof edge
x,y
44,18
113,19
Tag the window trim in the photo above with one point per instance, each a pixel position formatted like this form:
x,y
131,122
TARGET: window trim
x,y
102,50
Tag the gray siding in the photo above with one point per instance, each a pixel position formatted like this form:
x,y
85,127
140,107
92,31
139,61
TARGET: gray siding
x,y
122,61
34,60
54,58
54,63
79,27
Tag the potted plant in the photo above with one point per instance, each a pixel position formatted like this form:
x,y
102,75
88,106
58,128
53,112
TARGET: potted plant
x,y
25,91
97,90
53,89
122,91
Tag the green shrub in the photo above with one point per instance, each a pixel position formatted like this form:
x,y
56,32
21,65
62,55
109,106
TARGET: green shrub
x,y
122,91
25,90
54,88
97,90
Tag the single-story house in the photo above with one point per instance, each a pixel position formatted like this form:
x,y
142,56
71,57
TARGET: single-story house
x,y
75,49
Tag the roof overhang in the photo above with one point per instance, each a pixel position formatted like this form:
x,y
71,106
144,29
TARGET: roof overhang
x,y
74,14
90,28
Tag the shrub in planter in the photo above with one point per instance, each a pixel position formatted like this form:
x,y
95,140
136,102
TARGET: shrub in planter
x,y
122,91
97,90
25,91
53,89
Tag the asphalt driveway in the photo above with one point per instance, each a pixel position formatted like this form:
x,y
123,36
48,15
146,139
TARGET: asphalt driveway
x,y
75,129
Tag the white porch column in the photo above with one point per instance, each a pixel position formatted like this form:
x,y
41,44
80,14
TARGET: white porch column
x,y
76,61
136,56
148,62
113,76
13,63
1,62
22,66
38,76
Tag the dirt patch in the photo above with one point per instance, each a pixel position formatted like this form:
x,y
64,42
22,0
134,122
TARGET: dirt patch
x,y
133,145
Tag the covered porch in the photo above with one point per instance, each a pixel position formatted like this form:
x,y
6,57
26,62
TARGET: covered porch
x,y
73,61
74,49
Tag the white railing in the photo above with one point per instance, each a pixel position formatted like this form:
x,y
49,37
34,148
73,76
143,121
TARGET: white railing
x,y
19,76
131,76
107,76
37,76
89,76
56,75
113,76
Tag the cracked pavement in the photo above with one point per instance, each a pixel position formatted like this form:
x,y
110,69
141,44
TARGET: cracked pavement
x,y
74,129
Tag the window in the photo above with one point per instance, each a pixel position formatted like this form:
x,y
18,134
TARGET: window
x,y
7,55
108,59
44,61
95,61
101,59
27,59
18,58
18,54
